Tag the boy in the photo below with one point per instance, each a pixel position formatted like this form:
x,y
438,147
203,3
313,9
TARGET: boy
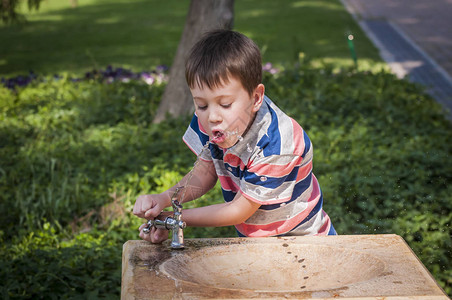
x,y
262,157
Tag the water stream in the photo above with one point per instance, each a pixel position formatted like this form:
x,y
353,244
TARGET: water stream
x,y
190,175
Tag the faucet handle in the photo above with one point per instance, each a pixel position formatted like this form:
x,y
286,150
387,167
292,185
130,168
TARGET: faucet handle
x,y
177,207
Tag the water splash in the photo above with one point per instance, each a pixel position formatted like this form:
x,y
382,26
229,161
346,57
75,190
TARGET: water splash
x,y
248,148
232,133
190,174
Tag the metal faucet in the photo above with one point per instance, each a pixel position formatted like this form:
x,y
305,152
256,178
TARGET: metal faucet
x,y
174,223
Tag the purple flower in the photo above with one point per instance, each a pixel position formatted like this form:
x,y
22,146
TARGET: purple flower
x,y
108,75
146,77
162,69
268,67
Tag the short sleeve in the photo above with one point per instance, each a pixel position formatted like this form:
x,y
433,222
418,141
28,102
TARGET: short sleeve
x,y
196,138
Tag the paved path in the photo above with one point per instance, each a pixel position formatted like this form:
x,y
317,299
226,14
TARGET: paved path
x,y
414,37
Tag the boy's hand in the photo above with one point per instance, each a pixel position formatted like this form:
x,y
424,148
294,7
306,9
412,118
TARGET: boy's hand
x,y
155,236
150,206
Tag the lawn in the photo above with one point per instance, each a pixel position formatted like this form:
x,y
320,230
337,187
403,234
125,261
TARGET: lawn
x,y
142,34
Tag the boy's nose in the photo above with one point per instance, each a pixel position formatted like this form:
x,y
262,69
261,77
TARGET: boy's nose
x,y
214,116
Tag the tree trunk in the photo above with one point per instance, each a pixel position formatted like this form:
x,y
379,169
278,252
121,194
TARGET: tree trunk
x,y
203,16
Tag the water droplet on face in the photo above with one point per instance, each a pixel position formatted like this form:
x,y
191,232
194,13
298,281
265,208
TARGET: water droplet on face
x,y
263,178
248,148
231,133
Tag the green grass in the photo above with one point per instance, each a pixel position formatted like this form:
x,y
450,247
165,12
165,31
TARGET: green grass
x,y
141,34
317,28
58,38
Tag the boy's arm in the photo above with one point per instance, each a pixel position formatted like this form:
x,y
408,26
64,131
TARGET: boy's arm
x,y
225,214
200,182
235,212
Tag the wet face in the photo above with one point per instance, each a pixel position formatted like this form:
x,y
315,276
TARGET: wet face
x,y
226,111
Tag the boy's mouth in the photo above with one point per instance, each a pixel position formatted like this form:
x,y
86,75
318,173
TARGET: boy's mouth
x,y
218,136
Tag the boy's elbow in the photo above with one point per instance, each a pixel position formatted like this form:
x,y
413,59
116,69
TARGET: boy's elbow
x,y
244,212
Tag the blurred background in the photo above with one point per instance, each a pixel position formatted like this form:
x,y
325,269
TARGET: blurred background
x,y
80,84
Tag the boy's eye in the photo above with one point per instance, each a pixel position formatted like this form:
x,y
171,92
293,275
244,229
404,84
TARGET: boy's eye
x,y
226,105
202,107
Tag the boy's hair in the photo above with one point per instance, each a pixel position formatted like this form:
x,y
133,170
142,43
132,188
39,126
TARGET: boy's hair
x,y
221,54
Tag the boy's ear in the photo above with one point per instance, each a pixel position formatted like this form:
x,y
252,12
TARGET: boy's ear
x,y
258,97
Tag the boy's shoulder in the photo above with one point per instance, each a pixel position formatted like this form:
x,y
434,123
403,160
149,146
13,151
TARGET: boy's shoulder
x,y
283,135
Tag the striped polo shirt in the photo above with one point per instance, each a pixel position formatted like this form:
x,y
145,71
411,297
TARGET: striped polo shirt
x,y
271,165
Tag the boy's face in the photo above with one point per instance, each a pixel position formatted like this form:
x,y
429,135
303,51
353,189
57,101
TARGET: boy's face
x,y
226,111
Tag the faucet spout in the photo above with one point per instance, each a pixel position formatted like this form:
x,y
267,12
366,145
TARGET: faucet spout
x,y
178,234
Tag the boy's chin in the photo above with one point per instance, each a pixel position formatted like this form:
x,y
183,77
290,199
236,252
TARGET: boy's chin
x,y
224,143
